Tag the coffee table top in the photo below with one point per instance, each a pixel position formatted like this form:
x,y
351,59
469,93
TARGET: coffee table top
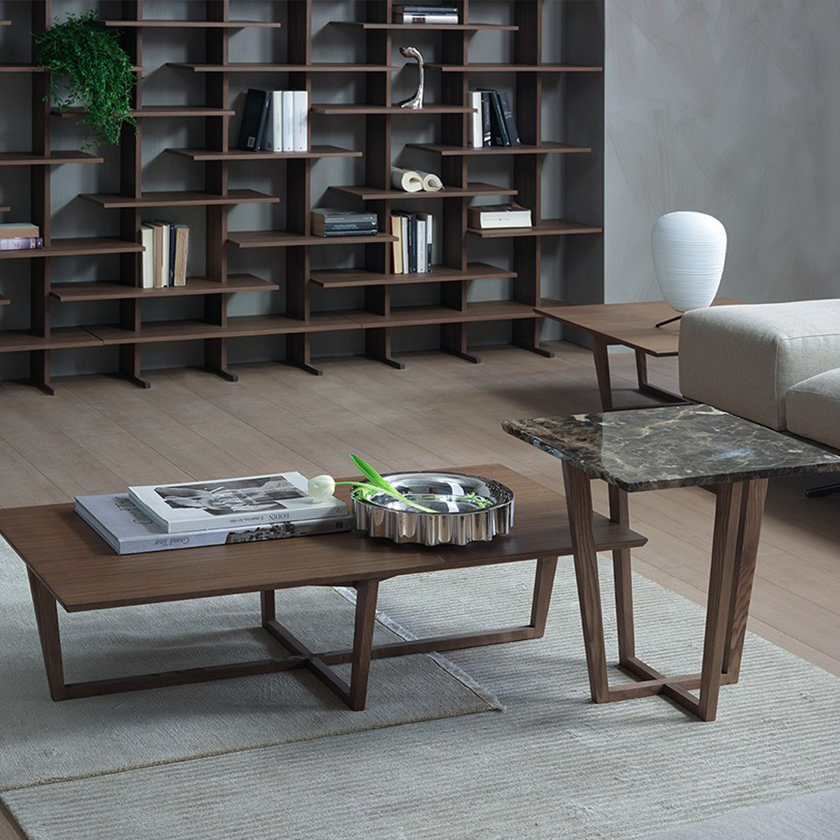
x,y
630,324
672,446
83,573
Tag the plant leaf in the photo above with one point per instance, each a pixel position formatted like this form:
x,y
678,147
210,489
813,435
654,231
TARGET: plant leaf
x,y
371,474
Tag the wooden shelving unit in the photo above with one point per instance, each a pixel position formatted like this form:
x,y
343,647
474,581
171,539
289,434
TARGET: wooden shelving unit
x,y
299,322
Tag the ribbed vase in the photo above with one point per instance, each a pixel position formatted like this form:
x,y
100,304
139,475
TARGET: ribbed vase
x,y
689,251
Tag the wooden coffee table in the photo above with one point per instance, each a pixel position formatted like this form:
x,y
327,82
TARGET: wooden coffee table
x,y
70,565
632,325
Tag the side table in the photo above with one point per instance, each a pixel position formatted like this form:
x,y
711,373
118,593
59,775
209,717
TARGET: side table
x,y
654,449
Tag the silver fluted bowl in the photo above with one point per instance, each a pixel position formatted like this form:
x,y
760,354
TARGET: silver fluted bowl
x,y
467,508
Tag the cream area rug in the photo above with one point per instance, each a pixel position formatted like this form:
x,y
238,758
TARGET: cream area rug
x,y
552,766
42,741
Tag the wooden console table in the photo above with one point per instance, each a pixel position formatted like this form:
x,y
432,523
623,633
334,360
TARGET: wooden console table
x,y
632,325
70,565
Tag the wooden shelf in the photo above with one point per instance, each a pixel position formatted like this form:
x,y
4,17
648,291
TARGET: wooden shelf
x,y
548,148
19,341
4,301
516,68
193,24
341,278
548,227
155,111
454,27
249,67
52,159
239,327
471,190
107,290
238,154
114,201
394,110
4,208
20,68
282,239
77,248
412,316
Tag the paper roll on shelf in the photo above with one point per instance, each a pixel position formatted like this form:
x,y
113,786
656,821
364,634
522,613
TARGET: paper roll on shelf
x,y
412,181
406,180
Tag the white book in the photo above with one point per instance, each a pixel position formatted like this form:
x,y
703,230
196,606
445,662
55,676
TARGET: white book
x,y
288,120
232,503
421,245
147,240
301,120
165,263
476,120
273,141
128,530
429,220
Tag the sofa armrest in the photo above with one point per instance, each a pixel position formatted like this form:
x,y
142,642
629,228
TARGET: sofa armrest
x,y
743,359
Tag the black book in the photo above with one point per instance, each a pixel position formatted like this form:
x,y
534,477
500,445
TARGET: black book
x,y
412,242
498,129
486,123
510,123
254,117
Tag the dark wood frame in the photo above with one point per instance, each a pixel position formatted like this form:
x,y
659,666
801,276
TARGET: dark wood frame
x,y
738,513
299,323
354,693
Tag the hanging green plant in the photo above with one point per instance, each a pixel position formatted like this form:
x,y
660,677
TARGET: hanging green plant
x,y
88,65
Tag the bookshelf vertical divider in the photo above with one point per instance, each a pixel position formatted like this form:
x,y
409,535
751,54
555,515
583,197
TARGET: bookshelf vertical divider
x,y
41,211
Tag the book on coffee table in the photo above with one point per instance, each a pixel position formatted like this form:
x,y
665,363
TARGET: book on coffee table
x,y
128,530
232,503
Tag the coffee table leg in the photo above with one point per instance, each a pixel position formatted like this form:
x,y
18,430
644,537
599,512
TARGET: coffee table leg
x,y
366,595
623,580
749,533
602,371
579,505
543,587
721,585
46,617
267,607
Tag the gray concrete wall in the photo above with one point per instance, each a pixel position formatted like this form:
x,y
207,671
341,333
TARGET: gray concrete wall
x,y
729,107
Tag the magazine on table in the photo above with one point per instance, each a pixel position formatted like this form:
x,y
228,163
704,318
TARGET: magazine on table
x,y
232,502
128,530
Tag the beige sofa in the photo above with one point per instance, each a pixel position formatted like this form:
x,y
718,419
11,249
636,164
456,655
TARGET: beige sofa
x,y
777,364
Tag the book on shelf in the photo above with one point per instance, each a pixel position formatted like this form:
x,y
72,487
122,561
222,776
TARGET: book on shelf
x,y
426,14
128,530
245,502
19,230
21,243
287,124
497,125
328,221
474,100
495,216
166,254
412,249
254,116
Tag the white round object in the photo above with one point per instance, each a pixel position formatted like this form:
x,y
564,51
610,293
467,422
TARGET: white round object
x,y
689,250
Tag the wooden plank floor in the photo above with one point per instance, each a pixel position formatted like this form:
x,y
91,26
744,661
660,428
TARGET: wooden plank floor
x,y
99,434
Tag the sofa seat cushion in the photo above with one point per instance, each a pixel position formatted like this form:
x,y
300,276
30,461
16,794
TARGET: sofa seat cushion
x,y
813,408
744,359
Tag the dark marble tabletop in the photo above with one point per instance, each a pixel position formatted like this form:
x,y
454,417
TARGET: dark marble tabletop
x,y
672,446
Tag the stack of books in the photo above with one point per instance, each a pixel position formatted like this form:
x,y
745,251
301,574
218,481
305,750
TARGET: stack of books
x,y
165,256
275,121
203,513
412,248
494,216
328,221
425,14
492,122
20,236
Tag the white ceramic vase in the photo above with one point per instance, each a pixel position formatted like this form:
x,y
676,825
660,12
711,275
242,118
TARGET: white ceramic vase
x,y
689,250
